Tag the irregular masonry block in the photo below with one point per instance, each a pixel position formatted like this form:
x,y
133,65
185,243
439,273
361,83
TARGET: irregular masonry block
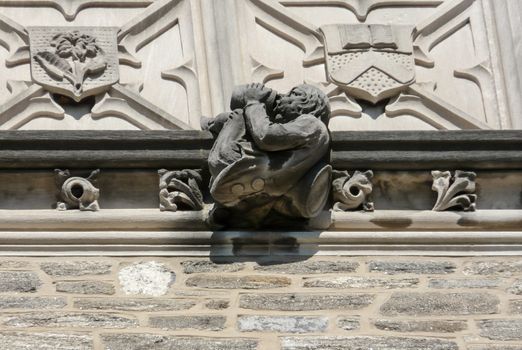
x,y
310,267
217,304
198,266
68,319
146,278
504,329
76,268
199,322
23,302
464,283
45,341
282,324
237,282
348,323
162,342
438,304
85,287
494,267
417,267
19,281
428,326
360,282
134,304
361,342
304,302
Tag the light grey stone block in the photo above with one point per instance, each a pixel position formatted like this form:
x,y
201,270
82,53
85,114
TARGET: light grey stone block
x,y
310,267
515,307
237,282
494,347
428,326
501,329
85,287
19,281
76,268
282,324
45,341
13,264
199,322
146,278
516,287
366,343
304,302
134,304
438,304
217,304
23,302
464,283
348,323
416,267
69,319
197,266
493,267
361,282
162,342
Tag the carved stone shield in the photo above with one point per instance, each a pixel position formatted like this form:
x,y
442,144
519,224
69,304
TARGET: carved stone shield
x,y
371,62
74,61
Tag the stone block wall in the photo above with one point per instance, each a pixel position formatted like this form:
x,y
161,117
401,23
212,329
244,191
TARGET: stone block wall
x,y
378,303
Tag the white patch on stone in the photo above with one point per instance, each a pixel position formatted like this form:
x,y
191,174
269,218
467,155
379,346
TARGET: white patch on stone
x,y
147,278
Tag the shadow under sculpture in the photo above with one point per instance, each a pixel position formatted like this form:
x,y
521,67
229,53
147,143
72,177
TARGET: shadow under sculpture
x,y
268,163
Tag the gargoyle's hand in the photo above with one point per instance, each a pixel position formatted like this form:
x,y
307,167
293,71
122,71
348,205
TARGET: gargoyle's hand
x,y
251,93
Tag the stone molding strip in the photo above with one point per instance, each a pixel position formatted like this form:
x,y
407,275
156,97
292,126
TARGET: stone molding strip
x,y
176,149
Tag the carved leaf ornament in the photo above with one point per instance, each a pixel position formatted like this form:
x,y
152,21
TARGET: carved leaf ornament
x,y
456,191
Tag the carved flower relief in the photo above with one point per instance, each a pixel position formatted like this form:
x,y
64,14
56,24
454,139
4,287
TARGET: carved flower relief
x,y
75,57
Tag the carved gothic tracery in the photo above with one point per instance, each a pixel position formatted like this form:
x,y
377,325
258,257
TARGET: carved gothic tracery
x,y
180,190
454,190
77,192
267,159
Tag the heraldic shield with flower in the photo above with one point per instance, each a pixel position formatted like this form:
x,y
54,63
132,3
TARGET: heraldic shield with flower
x,y
76,62
371,62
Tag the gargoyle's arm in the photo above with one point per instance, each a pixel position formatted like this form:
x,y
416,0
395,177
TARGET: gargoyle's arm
x,y
270,136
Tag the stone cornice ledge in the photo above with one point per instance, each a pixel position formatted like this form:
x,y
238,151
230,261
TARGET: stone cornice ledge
x,y
151,232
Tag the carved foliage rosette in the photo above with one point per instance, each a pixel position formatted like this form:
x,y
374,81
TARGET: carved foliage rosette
x,y
76,62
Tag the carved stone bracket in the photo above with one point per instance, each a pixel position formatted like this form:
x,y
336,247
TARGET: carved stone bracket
x,y
454,191
352,192
180,190
77,192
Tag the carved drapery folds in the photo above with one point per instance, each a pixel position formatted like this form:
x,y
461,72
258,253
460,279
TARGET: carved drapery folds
x,y
180,190
454,191
267,161
352,192
76,192
76,62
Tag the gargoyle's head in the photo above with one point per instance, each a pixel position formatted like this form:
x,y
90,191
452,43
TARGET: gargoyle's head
x,y
303,99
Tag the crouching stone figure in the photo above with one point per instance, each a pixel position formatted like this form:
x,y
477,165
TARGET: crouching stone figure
x,y
268,163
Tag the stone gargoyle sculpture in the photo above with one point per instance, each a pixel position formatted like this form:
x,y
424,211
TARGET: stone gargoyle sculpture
x,y
267,164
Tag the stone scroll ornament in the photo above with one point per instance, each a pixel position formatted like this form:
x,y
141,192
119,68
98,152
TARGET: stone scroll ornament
x,y
77,192
180,190
268,163
74,61
372,62
455,191
352,192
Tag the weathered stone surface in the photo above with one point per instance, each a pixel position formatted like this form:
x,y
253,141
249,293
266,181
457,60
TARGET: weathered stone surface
x,y
360,282
13,264
417,267
515,307
516,287
22,302
76,268
348,323
493,267
134,304
200,322
494,347
146,278
431,326
464,283
44,341
310,267
304,302
19,281
438,304
366,343
504,329
197,266
85,287
69,319
161,342
283,324
237,282
217,304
